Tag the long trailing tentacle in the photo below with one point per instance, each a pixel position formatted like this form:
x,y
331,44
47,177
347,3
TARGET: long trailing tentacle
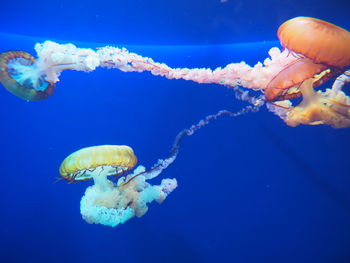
x,y
164,163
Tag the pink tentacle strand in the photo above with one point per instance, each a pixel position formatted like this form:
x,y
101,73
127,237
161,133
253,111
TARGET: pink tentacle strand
x,y
53,58
341,81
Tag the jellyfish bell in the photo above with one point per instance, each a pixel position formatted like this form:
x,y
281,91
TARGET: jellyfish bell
x,y
34,79
93,162
317,46
321,41
20,76
285,85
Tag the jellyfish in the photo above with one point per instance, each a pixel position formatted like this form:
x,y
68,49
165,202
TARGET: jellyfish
x,y
318,58
108,203
317,46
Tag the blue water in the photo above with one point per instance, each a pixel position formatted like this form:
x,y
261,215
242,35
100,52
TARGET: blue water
x,y
251,189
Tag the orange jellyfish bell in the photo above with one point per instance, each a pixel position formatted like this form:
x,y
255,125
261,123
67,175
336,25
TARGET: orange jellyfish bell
x,y
106,159
323,42
317,46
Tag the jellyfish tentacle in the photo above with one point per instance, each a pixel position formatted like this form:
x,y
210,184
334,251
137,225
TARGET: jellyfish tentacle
x,y
341,81
309,47
54,58
330,107
164,163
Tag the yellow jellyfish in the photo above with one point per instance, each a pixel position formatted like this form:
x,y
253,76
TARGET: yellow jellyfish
x,y
108,203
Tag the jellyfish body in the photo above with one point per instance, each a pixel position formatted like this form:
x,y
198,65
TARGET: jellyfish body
x,y
108,203
317,46
20,76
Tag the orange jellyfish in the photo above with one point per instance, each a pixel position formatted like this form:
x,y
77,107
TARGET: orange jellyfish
x,y
108,203
318,46
21,78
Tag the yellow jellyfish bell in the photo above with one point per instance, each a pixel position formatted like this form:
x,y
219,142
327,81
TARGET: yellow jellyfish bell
x,y
109,159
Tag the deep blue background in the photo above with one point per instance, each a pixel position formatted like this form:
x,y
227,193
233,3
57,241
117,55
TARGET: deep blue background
x,y
251,189
163,21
